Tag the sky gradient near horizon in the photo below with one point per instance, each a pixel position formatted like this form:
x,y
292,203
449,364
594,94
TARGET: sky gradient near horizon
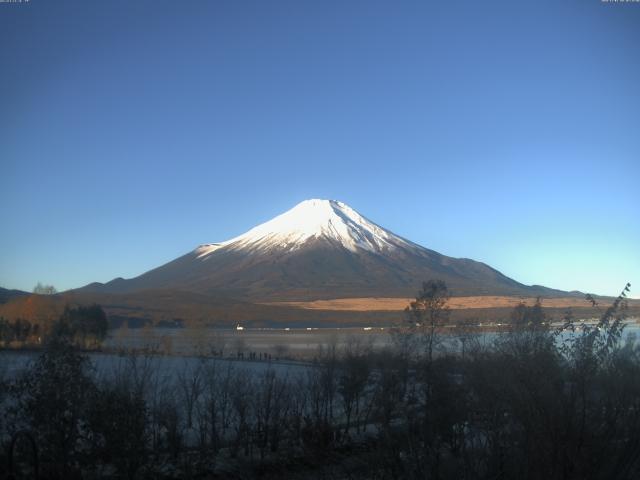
x,y
507,132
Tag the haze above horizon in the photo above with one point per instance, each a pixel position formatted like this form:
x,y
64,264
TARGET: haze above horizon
x,y
505,132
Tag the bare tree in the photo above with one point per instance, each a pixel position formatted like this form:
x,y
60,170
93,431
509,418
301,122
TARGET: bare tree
x,y
42,289
428,312
242,389
281,350
354,372
271,406
191,386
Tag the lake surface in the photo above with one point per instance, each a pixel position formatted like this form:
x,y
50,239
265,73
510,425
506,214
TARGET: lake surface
x,y
274,342
281,343
178,348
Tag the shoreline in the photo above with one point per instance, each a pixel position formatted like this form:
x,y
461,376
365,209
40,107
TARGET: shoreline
x,y
279,343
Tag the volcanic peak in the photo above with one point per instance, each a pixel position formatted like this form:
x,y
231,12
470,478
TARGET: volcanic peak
x,y
313,219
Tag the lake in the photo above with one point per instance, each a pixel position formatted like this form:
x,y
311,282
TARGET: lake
x,y
179,348
295,343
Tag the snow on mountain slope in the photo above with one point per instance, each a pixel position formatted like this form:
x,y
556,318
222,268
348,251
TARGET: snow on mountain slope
x,y
313,219
317,250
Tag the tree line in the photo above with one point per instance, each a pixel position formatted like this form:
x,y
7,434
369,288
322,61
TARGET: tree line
x,y
83,326
537,402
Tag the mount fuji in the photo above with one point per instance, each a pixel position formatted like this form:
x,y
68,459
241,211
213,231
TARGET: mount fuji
x,y
320,249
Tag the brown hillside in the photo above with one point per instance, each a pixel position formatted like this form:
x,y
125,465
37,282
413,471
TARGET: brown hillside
x,y
195,309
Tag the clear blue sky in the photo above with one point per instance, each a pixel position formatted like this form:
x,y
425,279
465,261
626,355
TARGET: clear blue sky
x,y
503,131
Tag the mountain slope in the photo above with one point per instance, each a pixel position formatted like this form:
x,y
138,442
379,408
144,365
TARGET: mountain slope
x,y
6,295
319,249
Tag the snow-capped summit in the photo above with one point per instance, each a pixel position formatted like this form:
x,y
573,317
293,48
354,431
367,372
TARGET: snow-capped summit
x,y
318,249
313,219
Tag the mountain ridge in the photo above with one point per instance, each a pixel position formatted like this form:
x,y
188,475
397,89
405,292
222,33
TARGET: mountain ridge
x,y
319,249
7,294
